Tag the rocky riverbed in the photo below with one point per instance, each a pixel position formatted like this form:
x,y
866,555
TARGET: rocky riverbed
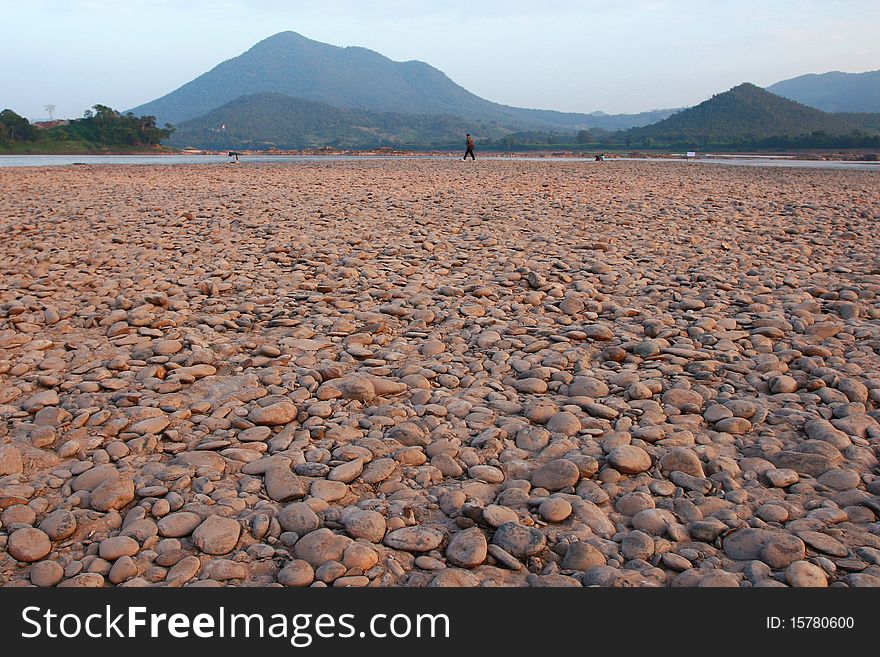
x,y
432,373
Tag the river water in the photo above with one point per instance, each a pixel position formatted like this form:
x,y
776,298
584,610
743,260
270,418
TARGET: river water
x,y
68,160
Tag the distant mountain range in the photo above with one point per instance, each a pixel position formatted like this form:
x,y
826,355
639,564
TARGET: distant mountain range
x,y
748,114
834,91
270,120
291,92
356,78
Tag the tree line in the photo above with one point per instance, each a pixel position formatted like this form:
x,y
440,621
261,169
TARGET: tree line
x,y
100,126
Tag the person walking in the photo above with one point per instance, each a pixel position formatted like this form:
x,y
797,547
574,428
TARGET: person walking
x,y
470,147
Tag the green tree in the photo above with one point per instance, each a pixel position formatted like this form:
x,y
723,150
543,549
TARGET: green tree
x,y
17,128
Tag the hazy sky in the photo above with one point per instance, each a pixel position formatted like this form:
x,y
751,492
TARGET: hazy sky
x,y
610,55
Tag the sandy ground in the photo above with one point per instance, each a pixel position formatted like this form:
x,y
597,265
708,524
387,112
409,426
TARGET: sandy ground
x,y
411,373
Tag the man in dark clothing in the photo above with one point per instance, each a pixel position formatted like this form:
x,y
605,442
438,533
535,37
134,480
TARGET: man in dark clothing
x,y
470,147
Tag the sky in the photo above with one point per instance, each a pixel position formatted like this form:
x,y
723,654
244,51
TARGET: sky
x,y
580,56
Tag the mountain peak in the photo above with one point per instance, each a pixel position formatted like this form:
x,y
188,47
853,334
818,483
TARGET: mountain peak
x,y
834,91
353,77
744,113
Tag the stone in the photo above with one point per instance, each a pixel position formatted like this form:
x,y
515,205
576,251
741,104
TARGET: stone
x,y
556,475
414,539
637,545
320,546
124,568
781,478
273,415
467,548
113,494
217,535
10,460
682,460
59,525
179,524
46,573
685,400
781,549
347,472
823,543
804,463
496,515
112,549
282,484
518,540
586,386
783,384
629,459
565,423
298,518
582,556
28,544
555,509
369,525
802,574
297,573
409,434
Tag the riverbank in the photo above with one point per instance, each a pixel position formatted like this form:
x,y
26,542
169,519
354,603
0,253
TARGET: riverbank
x,y
413,372
80,148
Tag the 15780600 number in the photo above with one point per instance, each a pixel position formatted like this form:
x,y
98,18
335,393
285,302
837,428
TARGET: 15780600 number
x,y
821,622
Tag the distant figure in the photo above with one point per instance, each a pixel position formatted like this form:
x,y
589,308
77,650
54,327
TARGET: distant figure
x,y
600,157
470,147
234,155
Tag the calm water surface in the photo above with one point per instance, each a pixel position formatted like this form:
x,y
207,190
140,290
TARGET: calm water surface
x,y
68,160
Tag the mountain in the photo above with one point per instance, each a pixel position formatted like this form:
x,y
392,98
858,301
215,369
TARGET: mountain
x,y
834,91
269,120
745,113
356,78
864,120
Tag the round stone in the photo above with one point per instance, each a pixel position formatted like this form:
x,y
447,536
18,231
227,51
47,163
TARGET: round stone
x,y
805,574
369,525
46,573
582,556
113,494
628,459
556,475
321,546
217,535
59,525
682,460
28,544
519,540
299,518
297,573
414,539
565,423
118,546
554,509
179,524
467,548
273,415
496,515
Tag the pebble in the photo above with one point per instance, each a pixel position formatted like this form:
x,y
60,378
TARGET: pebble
x,y
414,539
628,459
216,535
467,548
46,573
805,574
28,544
556,475
520,541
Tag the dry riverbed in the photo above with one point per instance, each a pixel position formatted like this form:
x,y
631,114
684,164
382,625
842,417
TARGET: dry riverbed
x,y
432,373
